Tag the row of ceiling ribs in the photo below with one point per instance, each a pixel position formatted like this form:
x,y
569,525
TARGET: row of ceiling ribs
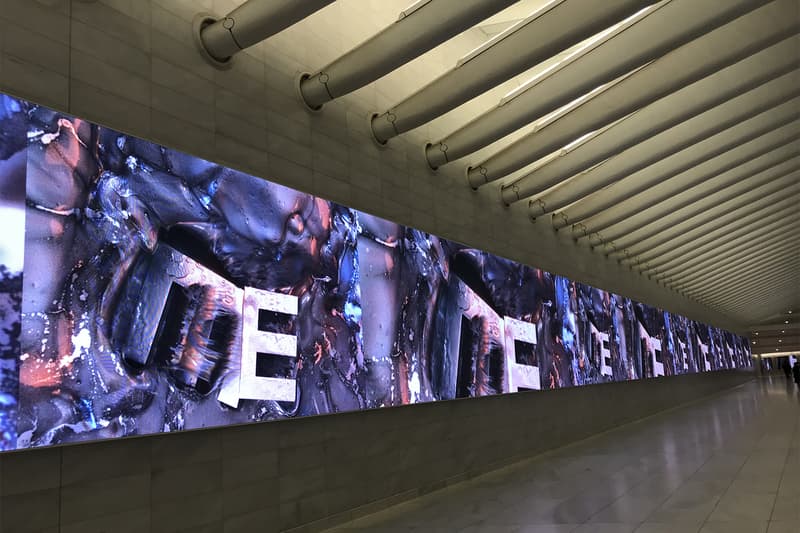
x,y
663,134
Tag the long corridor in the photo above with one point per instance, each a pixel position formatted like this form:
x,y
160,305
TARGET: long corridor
x,y
727,464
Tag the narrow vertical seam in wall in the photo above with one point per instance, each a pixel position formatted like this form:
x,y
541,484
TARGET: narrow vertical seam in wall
x,y
150,135
150,488
265,133
69,80
221,473
60,478
69,109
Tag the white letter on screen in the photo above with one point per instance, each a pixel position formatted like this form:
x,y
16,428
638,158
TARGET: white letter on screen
x,y
605,352
519,375
704,352
653,347
684,355
257,343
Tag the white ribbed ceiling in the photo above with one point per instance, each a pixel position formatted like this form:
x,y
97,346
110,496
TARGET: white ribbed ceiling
x,y
667,138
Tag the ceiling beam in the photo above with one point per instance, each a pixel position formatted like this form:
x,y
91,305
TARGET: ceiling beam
x,y
418,29
583,186
249,24
768,288
780,240
636,241
746,235
748,158
546,33
645,37
677,242
749,266
667,256
756,260
705,109
691,62
722,293
698,198
778,282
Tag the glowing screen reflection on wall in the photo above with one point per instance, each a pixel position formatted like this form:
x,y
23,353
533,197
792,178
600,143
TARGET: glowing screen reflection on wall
x,y
163,292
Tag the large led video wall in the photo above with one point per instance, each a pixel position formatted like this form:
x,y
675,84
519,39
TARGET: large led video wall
x,y
143,290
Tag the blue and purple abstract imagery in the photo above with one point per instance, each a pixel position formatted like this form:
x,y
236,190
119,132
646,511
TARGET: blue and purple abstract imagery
x,y
162,292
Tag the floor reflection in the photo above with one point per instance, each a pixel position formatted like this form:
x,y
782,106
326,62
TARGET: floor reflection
x,y
727,464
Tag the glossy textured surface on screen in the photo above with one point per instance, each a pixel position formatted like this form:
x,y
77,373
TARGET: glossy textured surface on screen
x,y
162,292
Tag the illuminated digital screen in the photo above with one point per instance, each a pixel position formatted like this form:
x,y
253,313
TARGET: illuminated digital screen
x,y
143,290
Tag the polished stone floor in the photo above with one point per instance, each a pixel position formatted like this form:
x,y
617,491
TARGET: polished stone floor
x,y
727,464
